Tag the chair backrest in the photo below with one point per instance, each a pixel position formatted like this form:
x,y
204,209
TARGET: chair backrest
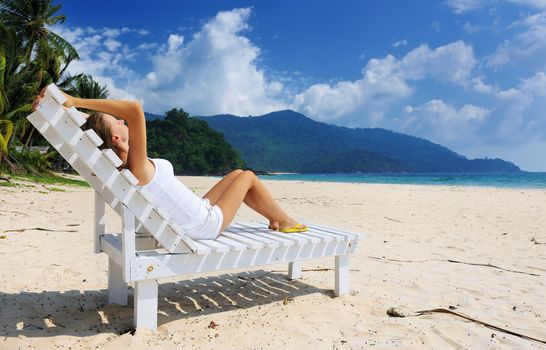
x,y
99,168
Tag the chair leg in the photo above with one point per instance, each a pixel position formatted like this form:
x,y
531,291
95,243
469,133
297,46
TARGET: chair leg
x,y
146,304
117,288
342,275
294,270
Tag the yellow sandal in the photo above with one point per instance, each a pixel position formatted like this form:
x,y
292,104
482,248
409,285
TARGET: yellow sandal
x,y
295,229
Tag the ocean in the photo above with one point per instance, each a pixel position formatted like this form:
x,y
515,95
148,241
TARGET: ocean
x,y
520,180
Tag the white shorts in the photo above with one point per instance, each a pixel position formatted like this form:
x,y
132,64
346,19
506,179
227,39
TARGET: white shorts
x,y
210,229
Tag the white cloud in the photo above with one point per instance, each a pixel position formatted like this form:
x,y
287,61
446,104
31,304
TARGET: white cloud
x,y
436,26
399,43
174,42
525,45
214,72
539,4
510,127
146,46
520,111
470,28
462,6
384,81
441,122
481,87
98,57
111,32
326,102
111,44
450,63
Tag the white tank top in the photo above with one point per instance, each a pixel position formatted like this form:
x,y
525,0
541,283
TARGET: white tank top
x,y
183,206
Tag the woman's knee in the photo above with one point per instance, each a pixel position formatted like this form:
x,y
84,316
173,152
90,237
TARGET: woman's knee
x,y
235,172
248,175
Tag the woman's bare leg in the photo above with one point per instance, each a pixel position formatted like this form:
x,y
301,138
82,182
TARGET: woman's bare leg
x,y
216,191
247,187
250,199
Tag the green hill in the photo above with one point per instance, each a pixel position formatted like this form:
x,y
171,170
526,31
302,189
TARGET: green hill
x,y
289,141
189,144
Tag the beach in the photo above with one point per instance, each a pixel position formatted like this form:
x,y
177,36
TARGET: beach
x,y
477,251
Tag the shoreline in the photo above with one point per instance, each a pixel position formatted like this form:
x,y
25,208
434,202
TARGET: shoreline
x,y
265,178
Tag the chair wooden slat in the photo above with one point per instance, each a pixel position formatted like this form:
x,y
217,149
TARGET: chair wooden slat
x,y
347,234
216,246
268,242
232,243
264,232
76,116
53,92
297,238
129,176
319,235
112,157
249,242
94,137
50,110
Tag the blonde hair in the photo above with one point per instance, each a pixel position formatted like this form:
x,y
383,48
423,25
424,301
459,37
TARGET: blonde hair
x,y
96,122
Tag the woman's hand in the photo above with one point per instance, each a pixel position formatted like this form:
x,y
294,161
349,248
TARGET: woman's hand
x,y
70,101
37,100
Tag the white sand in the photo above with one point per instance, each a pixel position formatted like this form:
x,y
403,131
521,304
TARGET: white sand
x,y
52,286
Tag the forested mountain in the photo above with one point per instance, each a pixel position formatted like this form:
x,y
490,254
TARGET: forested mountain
x,y
189,144
289,141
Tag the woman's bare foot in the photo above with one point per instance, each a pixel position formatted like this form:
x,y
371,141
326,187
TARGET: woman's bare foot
x,y
281,225
287,224
274,225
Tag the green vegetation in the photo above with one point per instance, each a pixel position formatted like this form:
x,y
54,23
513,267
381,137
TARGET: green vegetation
x,y
31,57
51,179
190,145
289,141
55,189
8,184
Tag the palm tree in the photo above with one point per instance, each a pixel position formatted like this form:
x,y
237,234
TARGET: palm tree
x,y
17,86
6,129
32,56
44,50
31,18
83,86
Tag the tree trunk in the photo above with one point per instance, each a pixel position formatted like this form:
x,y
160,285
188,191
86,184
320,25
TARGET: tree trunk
x,y
12,167
29,139
12,138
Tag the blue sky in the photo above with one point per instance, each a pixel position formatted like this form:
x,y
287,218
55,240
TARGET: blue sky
x,y
467,74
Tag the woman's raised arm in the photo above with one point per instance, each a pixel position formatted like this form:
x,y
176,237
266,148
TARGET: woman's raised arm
x,y
133,114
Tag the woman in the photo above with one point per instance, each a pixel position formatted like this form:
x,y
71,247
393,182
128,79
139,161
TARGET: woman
x,y
200,218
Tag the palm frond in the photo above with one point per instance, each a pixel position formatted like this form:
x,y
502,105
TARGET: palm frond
x,y
66,83
64,46
12,8
68,57
85,86
6,129
22,126
24,109
4,103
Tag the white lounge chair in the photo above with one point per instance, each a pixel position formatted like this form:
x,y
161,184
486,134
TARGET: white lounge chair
x,y
150,246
